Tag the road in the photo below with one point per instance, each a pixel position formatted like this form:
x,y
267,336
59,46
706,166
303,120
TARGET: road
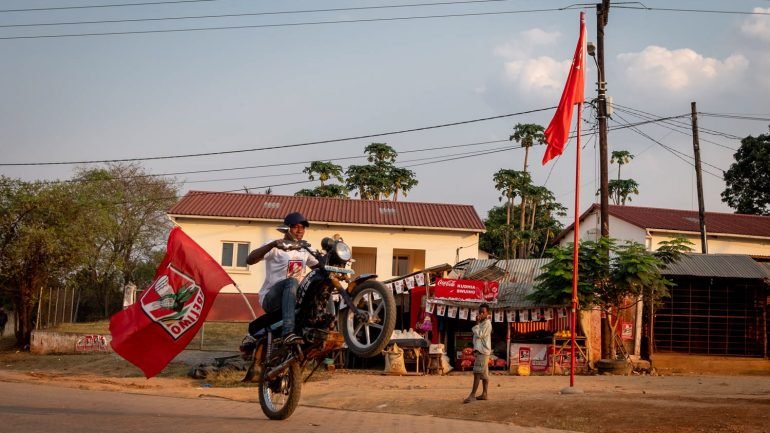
x,y
32,408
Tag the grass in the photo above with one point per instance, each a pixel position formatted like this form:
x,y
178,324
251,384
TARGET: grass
x,y
215,336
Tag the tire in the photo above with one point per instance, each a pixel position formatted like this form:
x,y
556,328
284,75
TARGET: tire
x,y
613,366
280,397
368,339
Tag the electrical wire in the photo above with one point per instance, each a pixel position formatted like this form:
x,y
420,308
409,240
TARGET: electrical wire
x,y
286,146
58,8
276,25
250,14
708,11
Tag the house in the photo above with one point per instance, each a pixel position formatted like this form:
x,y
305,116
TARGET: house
x,y
726,233
718,306
387,238
719,299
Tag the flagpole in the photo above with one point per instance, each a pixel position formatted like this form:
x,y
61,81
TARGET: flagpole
x,y
576,239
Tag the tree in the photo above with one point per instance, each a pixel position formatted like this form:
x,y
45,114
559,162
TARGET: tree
x,y
331,190
380,178
621,189
621,157
44,235
612,282
748,178
510,183
526,134
128,223
324,171
403,180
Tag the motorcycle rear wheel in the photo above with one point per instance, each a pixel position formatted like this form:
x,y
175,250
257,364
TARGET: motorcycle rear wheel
x,y
280,397
368,338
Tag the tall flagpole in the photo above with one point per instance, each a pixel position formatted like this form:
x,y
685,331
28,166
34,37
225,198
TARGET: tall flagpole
x,y
576,239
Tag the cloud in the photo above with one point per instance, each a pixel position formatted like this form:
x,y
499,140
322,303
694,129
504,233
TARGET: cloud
x,y
758,26
527,42
679,70
542,76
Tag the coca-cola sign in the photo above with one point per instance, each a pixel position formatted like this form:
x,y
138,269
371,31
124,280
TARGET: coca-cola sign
x,y
466,290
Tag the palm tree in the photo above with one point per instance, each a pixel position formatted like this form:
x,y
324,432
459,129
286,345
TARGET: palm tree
x,y
621,157
528,135
510,183
324,171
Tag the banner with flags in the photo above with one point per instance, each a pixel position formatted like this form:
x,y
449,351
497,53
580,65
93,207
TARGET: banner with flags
x,y
151,332
557,133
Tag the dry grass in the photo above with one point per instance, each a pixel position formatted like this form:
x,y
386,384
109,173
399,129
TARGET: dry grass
x,y
222,336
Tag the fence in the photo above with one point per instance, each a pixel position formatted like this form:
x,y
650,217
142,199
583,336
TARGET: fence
x,y
56,306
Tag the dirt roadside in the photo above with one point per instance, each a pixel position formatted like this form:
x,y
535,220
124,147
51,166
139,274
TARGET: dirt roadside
x,y
689,402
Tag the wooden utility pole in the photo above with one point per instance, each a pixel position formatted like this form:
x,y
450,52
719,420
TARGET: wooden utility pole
x,y
602,15
699,179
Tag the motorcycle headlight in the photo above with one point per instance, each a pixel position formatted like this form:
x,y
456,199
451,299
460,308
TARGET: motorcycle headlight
x,y
343,251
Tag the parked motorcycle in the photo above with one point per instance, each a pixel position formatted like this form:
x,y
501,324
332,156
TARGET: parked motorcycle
x,y
365,314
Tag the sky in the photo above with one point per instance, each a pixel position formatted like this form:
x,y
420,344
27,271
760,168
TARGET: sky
x,y
279,82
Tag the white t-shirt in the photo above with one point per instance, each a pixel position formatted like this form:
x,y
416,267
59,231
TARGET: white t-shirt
x,y
280,264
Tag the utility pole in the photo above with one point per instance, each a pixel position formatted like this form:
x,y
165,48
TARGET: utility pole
x,y
602,15
699,179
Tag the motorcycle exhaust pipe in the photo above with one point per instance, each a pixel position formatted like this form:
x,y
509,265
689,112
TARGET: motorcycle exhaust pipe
x,y
275,372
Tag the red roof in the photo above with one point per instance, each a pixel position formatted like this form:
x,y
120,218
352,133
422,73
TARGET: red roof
x,y
686,220
328,210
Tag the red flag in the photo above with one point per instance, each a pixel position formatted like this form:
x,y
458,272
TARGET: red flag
x,y
164,320
558,130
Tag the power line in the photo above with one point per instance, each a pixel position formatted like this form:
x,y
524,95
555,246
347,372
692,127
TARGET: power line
x,y
642,7
280,164
286,146
673,151
251,14
681,127
106,6
299,24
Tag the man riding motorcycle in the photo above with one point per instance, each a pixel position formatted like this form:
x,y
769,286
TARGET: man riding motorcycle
x,y
284,270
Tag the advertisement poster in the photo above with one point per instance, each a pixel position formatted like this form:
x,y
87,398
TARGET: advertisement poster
x,y
466,290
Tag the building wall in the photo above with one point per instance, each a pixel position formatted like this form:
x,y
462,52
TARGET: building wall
x,y
717,244
439,246
590,229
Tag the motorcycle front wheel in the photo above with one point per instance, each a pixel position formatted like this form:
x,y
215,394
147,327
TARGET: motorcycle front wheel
x,y
279,397
368,333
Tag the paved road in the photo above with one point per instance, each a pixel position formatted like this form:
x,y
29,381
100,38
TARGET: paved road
x,y
31,408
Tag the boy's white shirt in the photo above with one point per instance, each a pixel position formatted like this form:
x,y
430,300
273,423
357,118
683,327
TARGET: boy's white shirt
x,y
280,264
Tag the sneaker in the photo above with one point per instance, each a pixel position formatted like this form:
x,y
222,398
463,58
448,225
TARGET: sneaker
x,y
247,347
291,338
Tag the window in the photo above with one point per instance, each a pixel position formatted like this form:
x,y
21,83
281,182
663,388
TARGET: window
x,y
400,265
406,261
234,254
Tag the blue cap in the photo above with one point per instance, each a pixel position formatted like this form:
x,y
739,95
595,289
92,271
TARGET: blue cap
x,y
295,218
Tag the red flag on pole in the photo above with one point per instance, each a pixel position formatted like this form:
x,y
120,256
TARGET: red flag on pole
x,y
164,320
558,130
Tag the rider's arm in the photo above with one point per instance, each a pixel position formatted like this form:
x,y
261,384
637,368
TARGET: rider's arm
x,y
259,253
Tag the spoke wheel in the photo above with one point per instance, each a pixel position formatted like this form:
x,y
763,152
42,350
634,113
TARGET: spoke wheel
x,y
279,397
368,333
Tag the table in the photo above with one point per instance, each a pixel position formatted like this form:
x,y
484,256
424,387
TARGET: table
x,y
413,351
562,349
434,364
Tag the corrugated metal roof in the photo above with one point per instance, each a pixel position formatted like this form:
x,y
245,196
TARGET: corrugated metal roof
x,y
684,221
516,283
718,266
329,210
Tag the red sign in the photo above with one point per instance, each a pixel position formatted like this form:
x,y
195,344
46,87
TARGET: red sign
x,y
466,290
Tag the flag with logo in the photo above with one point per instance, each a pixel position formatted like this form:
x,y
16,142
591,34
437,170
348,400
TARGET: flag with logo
x,y
151,332
558,130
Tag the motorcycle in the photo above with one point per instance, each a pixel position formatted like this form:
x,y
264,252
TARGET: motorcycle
x,y
365,314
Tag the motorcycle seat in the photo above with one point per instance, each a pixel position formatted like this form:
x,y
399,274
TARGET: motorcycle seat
x,y
264,321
